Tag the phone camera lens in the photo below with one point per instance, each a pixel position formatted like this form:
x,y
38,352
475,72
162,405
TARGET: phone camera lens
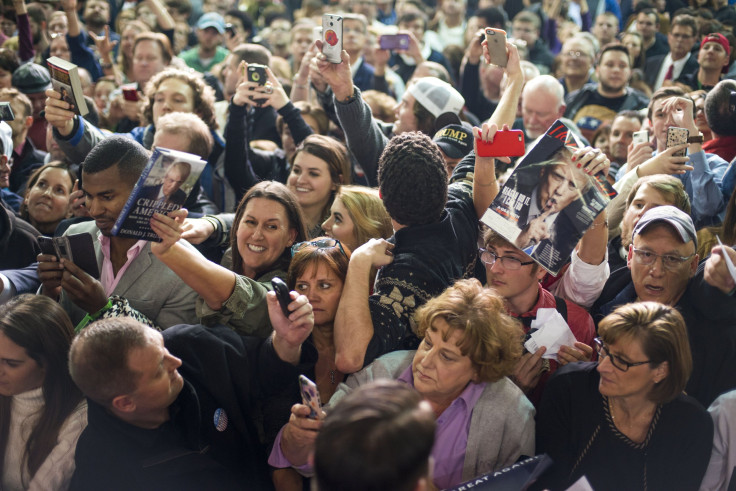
x,y
331,24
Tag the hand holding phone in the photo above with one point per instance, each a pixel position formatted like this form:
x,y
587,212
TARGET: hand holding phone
x,y
6,112
677,136
130,92
332,37
506,143
77,248
640,137
394,42
496,41
310,397
282,294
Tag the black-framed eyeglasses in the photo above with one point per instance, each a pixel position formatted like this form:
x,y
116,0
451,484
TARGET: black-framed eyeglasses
x,y
320,244
511,263
670,261
616,360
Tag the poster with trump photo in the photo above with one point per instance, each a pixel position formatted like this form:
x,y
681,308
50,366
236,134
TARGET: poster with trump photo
x,y
548,203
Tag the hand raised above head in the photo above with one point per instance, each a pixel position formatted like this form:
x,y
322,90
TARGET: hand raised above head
x,y
59,113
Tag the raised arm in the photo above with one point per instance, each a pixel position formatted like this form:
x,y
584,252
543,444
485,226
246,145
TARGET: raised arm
x,y
353,321
363,135
211,281
505,113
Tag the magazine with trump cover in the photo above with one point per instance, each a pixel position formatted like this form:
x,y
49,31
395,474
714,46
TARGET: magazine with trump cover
x,y
163,187
548,203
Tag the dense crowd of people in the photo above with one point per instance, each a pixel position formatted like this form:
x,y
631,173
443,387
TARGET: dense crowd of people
x,y
358,183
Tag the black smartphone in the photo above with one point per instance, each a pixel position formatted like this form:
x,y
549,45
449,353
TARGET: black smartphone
x,y
77,248
230,30
282,293
257,74
6,112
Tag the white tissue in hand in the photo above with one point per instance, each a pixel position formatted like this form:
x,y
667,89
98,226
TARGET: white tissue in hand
x,y
552,332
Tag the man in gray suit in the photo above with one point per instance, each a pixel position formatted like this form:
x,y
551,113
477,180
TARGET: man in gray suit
x,y
127,267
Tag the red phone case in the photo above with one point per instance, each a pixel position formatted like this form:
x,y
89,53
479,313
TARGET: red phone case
x,y
130,93
505,144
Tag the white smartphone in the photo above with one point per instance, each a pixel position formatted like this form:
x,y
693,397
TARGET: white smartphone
x,y
332,37
641,137
677,136
496,39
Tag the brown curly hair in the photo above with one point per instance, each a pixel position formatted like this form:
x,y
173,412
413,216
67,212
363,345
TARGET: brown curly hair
x,y
491,337
204,95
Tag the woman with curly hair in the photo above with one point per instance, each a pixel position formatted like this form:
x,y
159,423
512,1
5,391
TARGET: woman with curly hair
x,y
469,347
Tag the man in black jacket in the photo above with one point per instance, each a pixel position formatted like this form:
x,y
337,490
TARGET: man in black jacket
x,y
679,62
663,267
596,104
151,427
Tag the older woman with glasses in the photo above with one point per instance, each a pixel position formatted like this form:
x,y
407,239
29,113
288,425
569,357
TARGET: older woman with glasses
x,y
469,347
624,422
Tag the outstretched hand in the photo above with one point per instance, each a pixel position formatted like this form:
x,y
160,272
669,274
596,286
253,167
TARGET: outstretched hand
x,y
168,228
337,75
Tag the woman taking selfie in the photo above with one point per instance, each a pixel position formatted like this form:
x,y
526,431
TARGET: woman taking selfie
x,y
267,223
42,413
624,422
469,346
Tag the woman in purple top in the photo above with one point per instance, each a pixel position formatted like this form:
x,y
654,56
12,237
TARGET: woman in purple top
x,y
469,346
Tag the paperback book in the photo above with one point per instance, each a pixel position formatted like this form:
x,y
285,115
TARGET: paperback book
x,y
65,80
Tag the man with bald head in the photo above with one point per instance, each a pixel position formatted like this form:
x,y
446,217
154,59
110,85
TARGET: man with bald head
x,y
542,102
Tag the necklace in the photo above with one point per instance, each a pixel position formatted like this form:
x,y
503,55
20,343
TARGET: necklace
x,y
332,376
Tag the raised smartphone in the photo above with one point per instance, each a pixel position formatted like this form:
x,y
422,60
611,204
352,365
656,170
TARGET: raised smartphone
x,y
677,136
130,92
77,248
640,137
6,112
332,37
394,41
282,294
508,143
257,73
496,39
310,397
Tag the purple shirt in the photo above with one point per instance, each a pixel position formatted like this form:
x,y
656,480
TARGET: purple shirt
x,y
451,437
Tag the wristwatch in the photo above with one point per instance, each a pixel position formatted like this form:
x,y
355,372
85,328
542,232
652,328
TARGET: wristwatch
x,y
696,138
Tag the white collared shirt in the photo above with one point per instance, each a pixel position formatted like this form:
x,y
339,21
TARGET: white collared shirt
x,y
676,70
